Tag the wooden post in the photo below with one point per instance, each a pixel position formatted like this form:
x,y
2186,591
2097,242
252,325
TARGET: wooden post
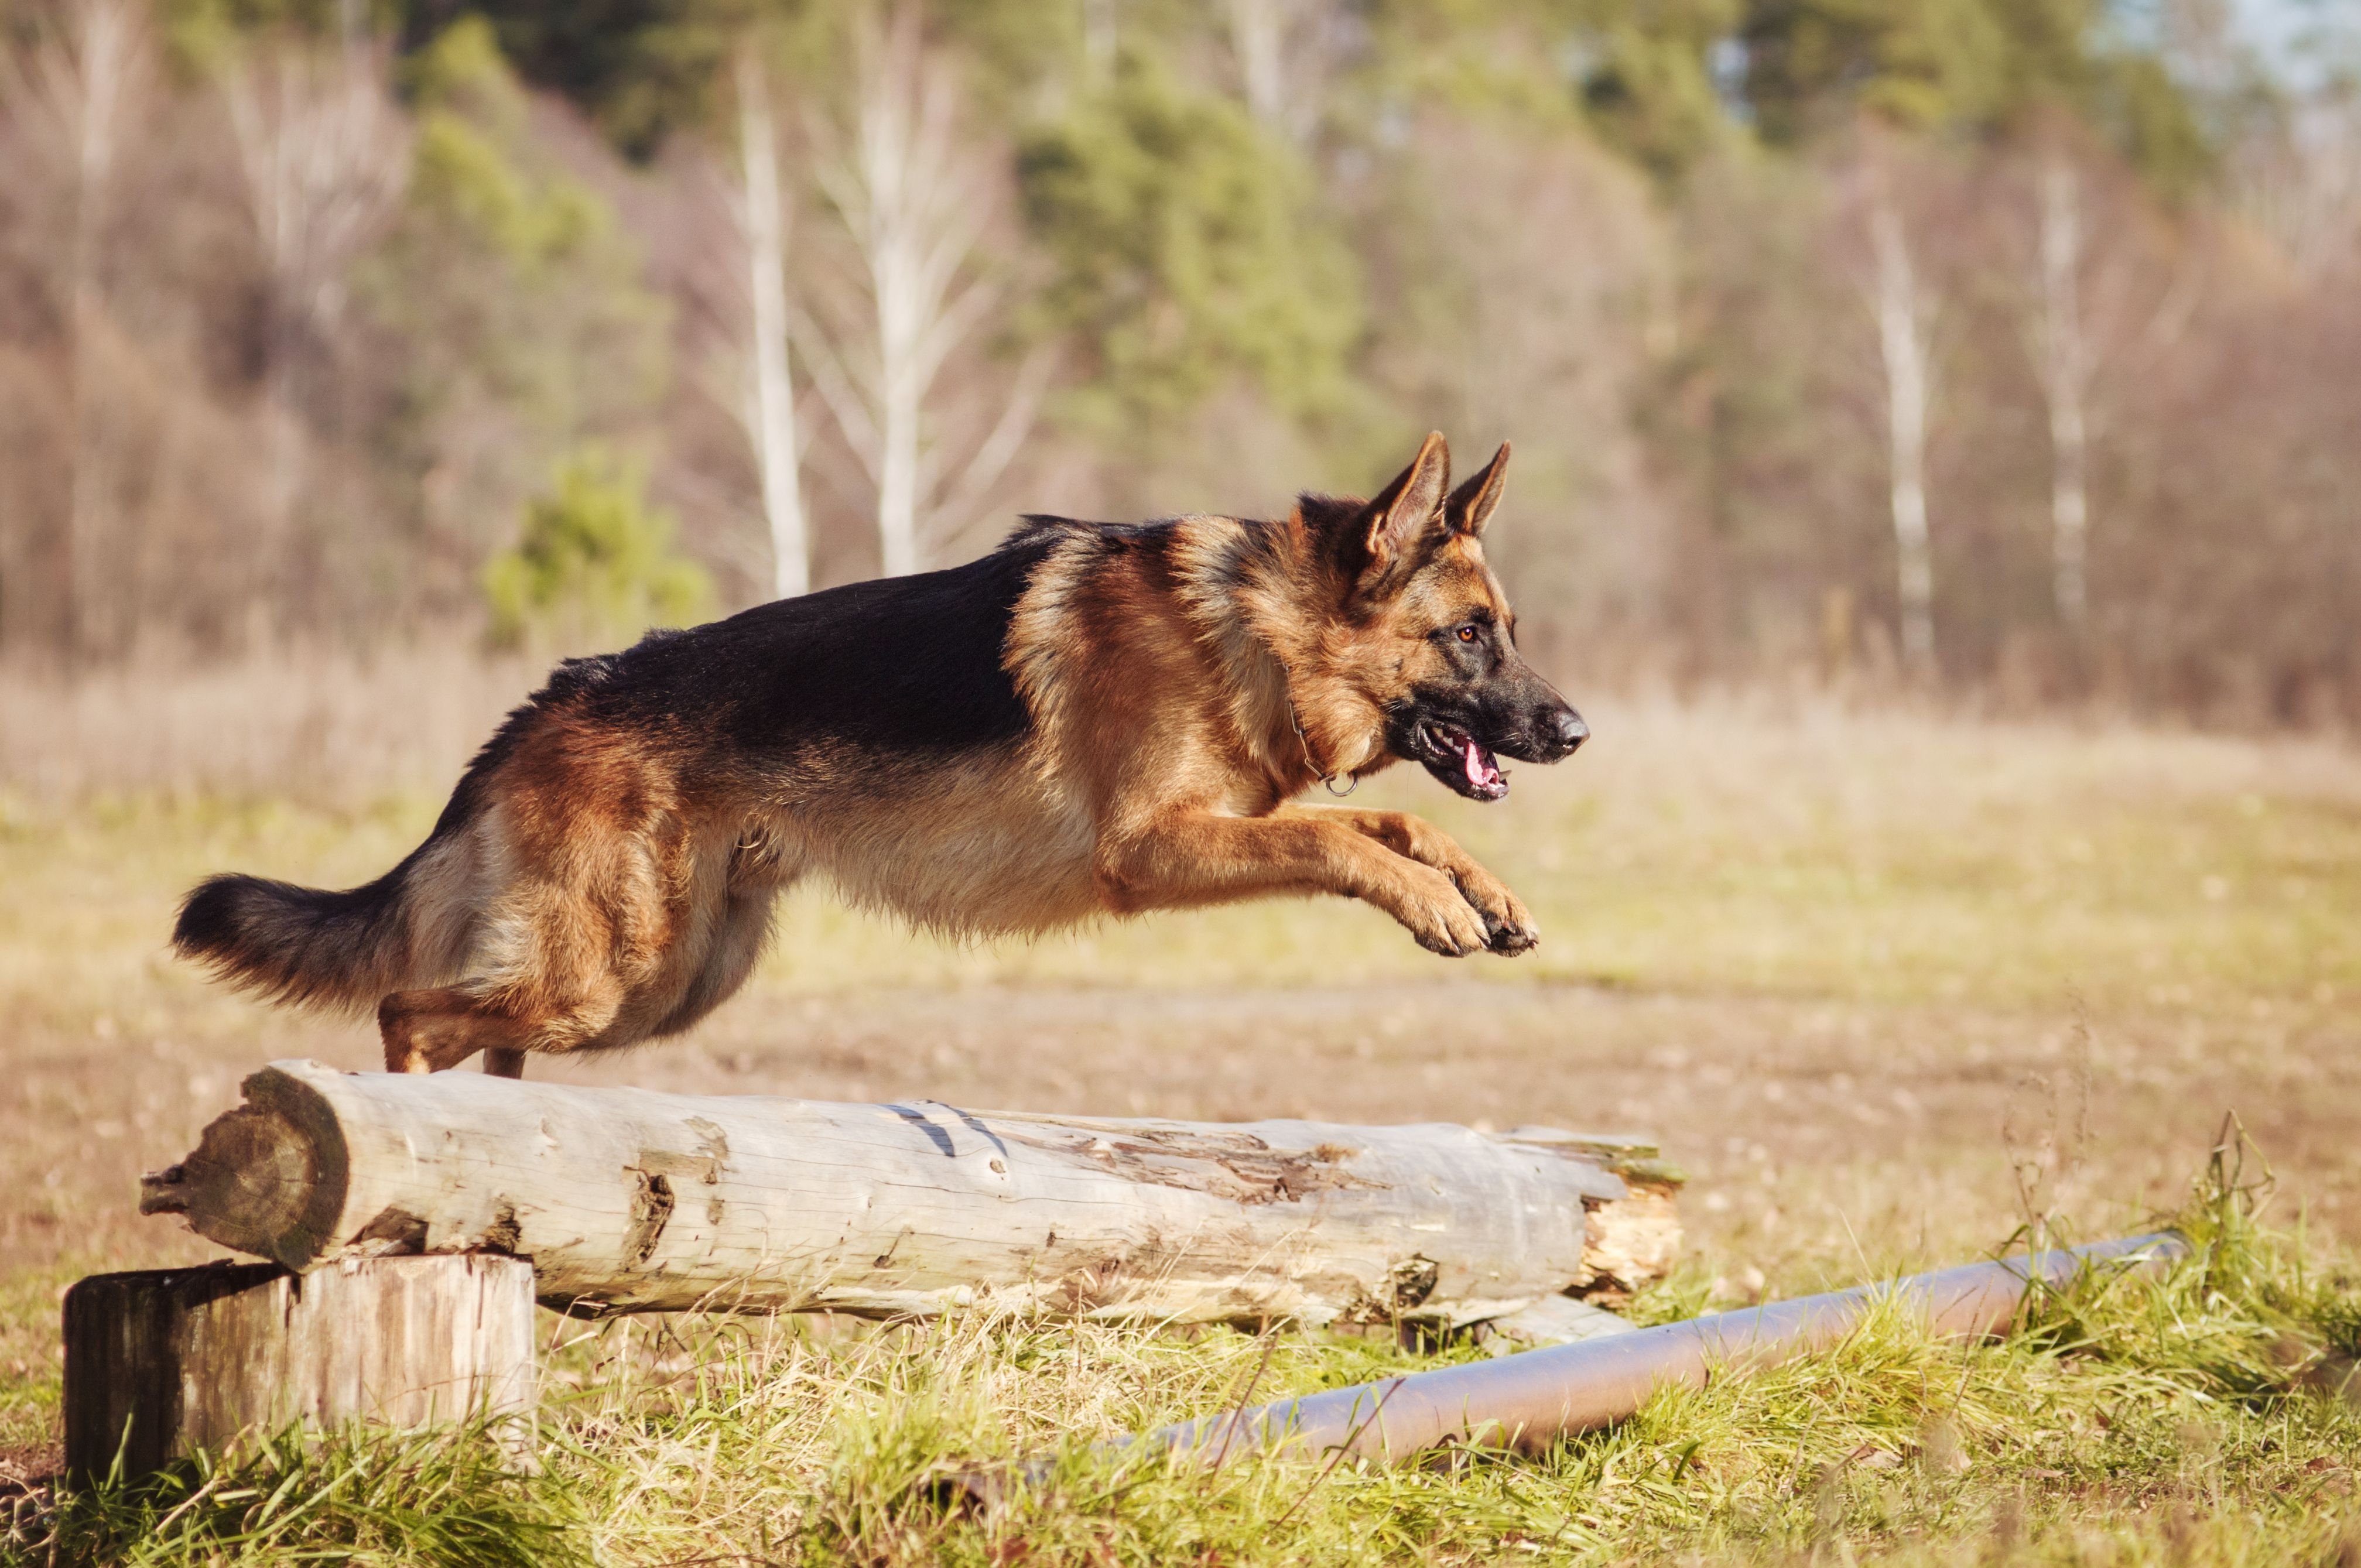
x,y
163,1362
630,1201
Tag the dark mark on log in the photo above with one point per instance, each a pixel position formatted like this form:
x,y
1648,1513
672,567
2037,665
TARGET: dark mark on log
x,y
1093,1284
504,1233
979,1127
1235,1166
159,1191
935,1136
651,1208
1412,1281
395,1230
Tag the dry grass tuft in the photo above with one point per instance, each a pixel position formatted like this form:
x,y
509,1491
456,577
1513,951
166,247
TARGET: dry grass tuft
x,y
321,725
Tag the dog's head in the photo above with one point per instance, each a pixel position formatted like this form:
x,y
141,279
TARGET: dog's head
x,y
1440,656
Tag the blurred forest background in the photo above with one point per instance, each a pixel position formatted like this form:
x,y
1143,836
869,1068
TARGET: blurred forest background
x,y
2008,347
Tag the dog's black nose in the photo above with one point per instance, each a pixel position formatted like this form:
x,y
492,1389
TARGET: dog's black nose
x,y
1567,732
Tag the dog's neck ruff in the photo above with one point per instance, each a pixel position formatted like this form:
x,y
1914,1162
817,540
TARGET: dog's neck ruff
x,y
1230,583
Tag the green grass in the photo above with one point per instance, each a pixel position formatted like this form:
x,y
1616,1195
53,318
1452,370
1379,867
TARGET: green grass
x,y
2205,1416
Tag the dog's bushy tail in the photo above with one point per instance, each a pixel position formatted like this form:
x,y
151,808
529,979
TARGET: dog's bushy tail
x,y
309,946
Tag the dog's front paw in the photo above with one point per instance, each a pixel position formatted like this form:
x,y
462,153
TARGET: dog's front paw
x,y
1508,928
1512,937
1442,920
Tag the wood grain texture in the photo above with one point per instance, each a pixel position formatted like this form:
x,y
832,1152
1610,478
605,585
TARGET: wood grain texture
x,y
633,1201
162,1362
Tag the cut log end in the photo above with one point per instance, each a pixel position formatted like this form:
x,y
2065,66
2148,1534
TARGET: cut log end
x,y
249,1184
267,1178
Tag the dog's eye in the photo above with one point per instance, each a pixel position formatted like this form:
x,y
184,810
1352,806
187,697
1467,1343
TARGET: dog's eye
x,y
1471,633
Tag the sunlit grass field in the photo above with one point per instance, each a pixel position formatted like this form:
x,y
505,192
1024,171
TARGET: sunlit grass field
x,y
1889,984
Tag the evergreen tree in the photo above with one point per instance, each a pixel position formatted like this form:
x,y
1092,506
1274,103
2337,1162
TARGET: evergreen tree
x,y
594,562
1188,249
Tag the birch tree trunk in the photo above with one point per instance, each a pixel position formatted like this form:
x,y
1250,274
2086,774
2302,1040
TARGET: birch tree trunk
x,y
898,163
1101,35
106,42
916,202
629,1200
1901,347
1285,52
771,416
2065,384
1258,39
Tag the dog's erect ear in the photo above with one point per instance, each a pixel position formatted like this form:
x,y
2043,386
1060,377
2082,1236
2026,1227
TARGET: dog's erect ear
x,y
1405,509
1470,506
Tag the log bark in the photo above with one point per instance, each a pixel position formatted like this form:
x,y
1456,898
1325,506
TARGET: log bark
x,y
161,1363
629,1200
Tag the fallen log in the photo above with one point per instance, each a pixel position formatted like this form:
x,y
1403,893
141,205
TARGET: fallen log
x,y
1528,1400
630,1201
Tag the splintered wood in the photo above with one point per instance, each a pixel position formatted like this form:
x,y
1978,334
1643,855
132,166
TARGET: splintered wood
x,y
628,1201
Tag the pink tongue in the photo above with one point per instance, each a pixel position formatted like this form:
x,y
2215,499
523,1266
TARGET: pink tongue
x,y
1479,772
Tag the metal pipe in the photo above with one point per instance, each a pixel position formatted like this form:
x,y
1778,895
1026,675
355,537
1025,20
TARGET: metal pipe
x,y
1530,1400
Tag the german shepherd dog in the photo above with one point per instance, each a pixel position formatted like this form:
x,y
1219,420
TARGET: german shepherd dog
x,y
1095,719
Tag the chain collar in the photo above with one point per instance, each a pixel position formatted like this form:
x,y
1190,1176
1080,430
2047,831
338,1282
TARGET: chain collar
x,y
1327,779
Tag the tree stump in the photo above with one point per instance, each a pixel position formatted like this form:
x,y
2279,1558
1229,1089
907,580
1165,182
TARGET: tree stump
x,y
160,1363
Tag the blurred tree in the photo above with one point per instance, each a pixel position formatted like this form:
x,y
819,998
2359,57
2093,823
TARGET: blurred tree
x,y
1921,64
1646,79
594,562
1189,248
513,317
324,153
641,68
77,90
1982,66
1903,307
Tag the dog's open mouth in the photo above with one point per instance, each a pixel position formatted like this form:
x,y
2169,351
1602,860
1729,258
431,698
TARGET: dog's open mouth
x,y
1476,773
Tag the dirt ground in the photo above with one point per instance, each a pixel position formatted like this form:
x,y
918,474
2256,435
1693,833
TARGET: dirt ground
x,y
1882,986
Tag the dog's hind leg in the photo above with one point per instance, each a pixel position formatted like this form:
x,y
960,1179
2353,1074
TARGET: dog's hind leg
x,y
432,1031
429,1031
